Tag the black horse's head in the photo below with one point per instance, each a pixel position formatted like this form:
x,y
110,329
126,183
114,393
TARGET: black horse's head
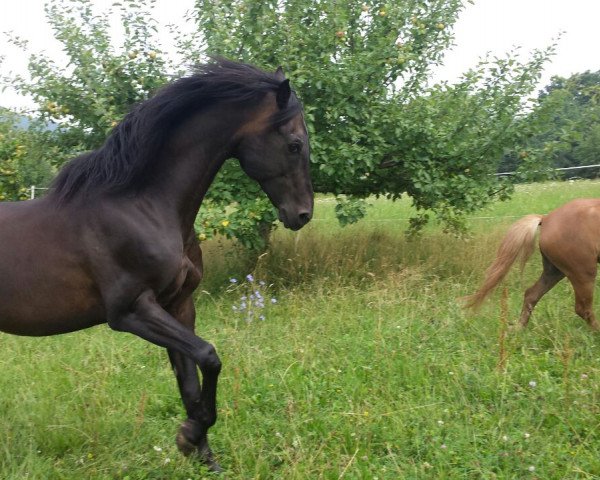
x,y
274,150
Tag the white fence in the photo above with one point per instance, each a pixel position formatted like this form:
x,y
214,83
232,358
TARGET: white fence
x,y
565,169
34,189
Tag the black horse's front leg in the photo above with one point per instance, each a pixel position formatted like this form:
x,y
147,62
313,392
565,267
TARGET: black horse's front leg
x,y
187,351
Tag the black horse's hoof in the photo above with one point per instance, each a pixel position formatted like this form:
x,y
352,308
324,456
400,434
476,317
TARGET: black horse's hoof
x,y
190,443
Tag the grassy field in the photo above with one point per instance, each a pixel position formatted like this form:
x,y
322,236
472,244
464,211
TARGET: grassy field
x,y
365,368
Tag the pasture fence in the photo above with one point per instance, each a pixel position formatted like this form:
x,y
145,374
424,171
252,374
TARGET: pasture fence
x,y
33,189
563,169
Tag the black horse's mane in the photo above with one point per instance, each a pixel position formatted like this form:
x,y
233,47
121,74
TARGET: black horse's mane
x,y
125,160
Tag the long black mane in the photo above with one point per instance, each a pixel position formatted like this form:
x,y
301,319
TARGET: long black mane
x,y
125,160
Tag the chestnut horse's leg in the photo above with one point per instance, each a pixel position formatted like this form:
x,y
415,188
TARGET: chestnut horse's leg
x,y
550,276
151,322
192,436
583,285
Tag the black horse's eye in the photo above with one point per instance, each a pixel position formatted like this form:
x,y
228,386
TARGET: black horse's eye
x,y
295,147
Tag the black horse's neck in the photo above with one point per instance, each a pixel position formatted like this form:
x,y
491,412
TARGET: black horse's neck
x,y
191,159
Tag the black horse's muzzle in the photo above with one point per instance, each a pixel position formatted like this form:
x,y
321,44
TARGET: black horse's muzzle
x,y
295,221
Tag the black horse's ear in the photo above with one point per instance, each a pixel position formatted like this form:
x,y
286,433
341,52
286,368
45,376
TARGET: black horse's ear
x,y
283,94
279,75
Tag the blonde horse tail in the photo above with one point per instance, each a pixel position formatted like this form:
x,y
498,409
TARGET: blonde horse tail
x,y
519,241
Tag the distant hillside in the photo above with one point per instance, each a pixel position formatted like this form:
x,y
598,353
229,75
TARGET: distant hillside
x,y
22,122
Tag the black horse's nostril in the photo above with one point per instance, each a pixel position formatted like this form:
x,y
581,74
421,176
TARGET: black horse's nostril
x,y
304,217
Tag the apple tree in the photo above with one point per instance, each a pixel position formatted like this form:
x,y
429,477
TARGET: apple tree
x,y
362,69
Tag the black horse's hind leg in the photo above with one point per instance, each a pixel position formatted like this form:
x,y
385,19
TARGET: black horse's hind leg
x,y
192,437
548,279
151,322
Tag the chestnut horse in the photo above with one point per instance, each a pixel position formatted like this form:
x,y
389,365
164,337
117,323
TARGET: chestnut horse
x,y
113,241
570,246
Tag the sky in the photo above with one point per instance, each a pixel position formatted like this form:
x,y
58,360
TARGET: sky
x,y
494,26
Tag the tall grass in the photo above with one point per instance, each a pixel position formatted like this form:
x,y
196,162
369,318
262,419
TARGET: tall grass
x,y
365,368
377,245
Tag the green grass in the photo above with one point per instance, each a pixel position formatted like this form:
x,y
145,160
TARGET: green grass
x,y
366,368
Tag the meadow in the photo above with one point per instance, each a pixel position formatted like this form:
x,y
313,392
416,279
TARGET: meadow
x,y
366,367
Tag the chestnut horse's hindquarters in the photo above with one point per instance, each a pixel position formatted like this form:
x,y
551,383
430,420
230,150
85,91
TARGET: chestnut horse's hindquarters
x,y
519,241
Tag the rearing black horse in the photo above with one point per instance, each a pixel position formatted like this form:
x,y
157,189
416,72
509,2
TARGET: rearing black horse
x,y
113,241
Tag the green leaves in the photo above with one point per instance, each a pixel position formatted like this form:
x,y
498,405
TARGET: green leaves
x,y
25,157
350,210
567,123
101,81
361,69
236,207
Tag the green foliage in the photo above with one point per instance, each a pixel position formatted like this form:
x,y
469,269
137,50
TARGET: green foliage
x,y
588,149
86,99
568,122
10,150
100,83
361,69
25,157
235,207
350,210
449,142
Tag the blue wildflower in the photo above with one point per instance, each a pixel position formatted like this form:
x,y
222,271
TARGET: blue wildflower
x,y
253,300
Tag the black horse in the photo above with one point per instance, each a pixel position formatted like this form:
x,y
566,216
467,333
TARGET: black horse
x,y
113,241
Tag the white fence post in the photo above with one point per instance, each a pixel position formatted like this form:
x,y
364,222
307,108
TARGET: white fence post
x,y
32,192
